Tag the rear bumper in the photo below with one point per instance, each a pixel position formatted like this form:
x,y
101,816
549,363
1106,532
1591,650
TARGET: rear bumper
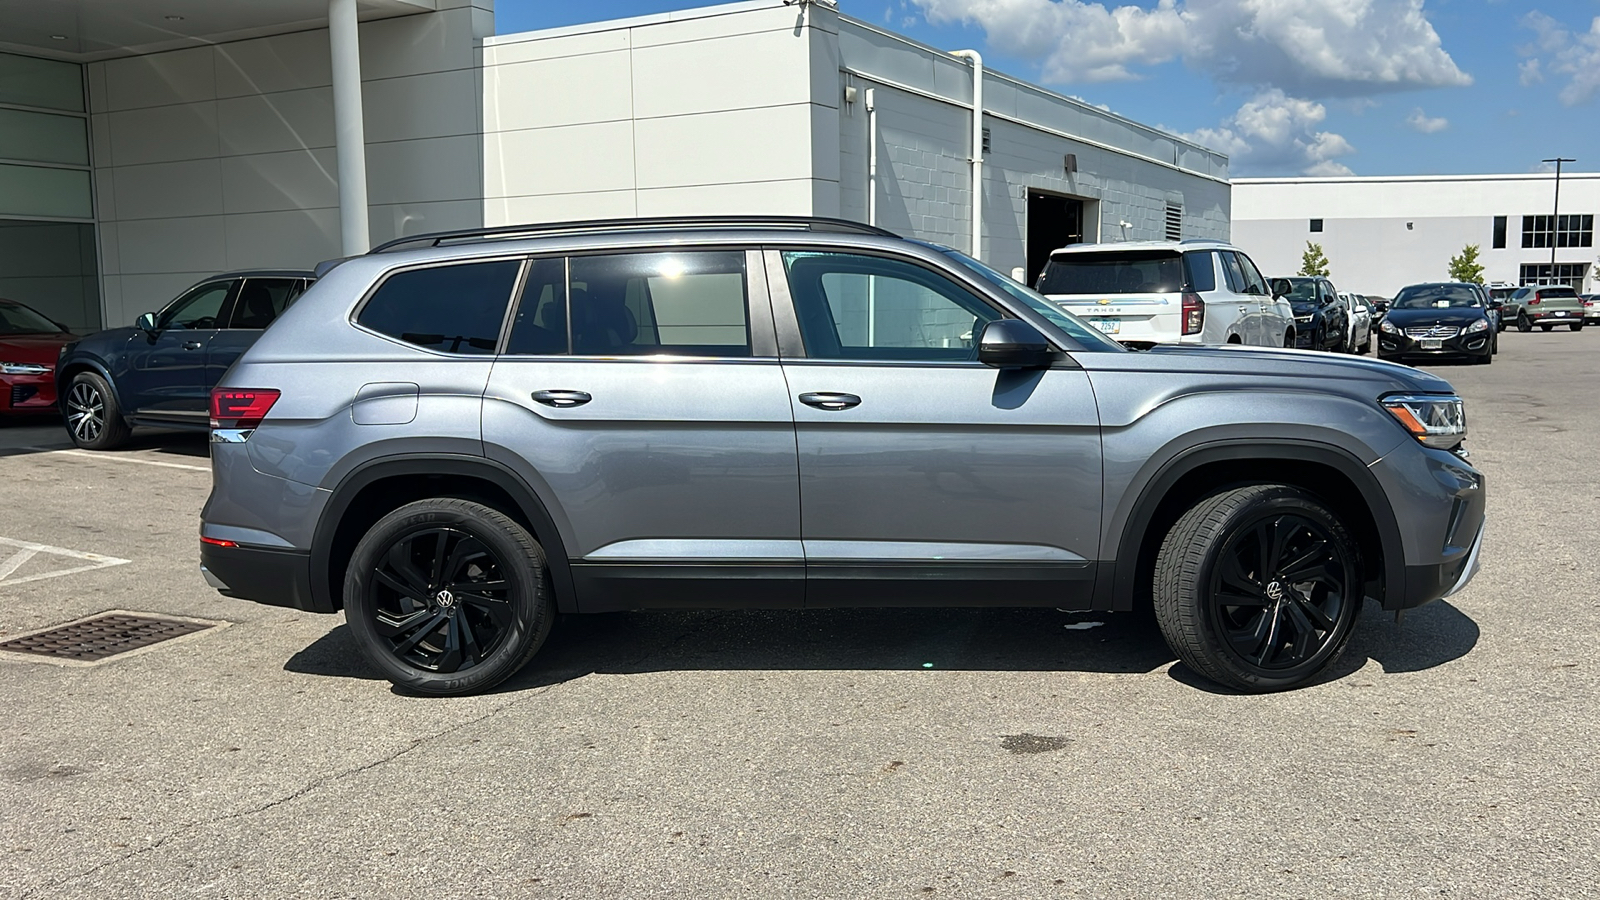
x,y
273,577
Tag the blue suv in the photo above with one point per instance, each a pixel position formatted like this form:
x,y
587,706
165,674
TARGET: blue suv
x,y
160,371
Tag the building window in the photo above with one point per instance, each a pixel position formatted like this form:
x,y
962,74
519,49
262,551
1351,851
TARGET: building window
x,y
1569,231
1499,232
1316,225
1174,222
1570,274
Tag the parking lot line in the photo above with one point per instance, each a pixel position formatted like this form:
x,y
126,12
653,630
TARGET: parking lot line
x,y
112,456
27,550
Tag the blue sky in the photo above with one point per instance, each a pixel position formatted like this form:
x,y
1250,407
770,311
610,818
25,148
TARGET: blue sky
x,y
1370,86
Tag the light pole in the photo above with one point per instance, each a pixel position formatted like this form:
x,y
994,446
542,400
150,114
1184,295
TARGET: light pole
x,y
1555,214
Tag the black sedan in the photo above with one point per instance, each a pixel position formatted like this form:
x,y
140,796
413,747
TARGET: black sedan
x,y
1438,321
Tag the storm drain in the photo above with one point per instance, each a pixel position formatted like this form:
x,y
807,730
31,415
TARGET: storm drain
x,y
102,636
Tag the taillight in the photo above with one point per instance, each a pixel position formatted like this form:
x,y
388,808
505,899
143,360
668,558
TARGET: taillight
x,y
1534,300
240,407
1194,314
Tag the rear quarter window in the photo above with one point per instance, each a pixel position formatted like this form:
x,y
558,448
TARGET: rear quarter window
x,y
1198,272
452,309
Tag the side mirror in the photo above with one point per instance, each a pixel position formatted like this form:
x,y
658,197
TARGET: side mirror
x,y
1279,288
1496,304
147,323
1014,344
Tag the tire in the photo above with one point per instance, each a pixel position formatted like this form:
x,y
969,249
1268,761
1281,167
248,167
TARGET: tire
x,y
1212,554
1523,325
1578,327
406,603
1288,339
1546,328
91,414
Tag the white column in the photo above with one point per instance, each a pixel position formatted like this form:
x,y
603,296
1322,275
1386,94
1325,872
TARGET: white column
x,y
349,134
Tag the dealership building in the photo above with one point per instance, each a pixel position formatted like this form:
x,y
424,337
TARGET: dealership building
x,y
1383,233
146,144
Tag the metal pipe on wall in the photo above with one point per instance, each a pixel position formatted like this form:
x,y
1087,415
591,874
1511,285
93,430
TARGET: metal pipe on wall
x,y
872,156
977,149
349,132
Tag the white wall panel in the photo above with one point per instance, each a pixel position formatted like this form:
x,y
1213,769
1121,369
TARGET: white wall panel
x,y
295,239
265,182
507,50
160,79
555,92
424,170
416,45
154,246
284,62
292,120
165,190
792,197
560,207
392,220
753,70
149,293
559,160
441,103
744,145
110,254
164,133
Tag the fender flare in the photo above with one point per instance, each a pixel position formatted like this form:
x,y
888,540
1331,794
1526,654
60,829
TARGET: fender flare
x,y
95,365
1137,523
528,503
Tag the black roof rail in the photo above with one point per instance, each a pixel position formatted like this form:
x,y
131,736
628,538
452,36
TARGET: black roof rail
x,y
663,223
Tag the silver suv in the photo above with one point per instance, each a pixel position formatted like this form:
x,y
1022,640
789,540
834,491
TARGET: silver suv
x,y
453,438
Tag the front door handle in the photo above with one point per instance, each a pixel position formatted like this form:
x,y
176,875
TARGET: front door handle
x,y
192,345
562,399
829,400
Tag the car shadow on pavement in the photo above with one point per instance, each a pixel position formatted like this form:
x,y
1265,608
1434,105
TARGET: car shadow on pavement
x,y
1428,637
1001,640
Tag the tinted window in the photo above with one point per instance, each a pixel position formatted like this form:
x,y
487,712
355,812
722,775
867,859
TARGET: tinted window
x,y
1232,272
541,323
18,319
454,309
1252,275
1198,271
687,303
1429,296
262,300
1088,338
1556,292
869,307
1112,273
1299,290
197,309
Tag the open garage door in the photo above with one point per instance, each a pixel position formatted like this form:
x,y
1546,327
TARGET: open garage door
x,y
1054,221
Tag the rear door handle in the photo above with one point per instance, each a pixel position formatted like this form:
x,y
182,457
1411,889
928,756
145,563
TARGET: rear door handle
x,y
192,345
830,401
562,399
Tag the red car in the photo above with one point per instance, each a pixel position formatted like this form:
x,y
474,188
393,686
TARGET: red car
x,y
29,346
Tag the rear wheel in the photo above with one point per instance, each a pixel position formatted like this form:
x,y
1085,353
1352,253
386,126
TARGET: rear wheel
x,y
93,419
1546,327
1258,588
1577,327
1523,324
448,596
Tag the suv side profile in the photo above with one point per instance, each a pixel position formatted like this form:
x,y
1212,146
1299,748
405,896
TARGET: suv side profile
x,y
1143,293
455,437
160,370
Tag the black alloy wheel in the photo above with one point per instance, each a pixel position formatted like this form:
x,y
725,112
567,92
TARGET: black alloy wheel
x,y
1523,324
1258,588
92,418
448,596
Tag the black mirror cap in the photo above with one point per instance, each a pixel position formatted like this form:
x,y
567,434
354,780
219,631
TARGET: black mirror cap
x,y
1014,344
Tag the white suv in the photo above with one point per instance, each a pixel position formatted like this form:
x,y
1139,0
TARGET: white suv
x,y
1169,292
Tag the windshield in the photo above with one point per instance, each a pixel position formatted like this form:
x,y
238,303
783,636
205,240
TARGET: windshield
x,y
1437,296
1088,338
18,319
1296,290
1122,272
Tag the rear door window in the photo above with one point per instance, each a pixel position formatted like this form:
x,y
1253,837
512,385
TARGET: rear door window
x,y
1233,273
689,303
1254,282
261,300
452,309
1126,272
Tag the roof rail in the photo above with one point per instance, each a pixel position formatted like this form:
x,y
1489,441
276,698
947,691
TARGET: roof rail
x,y
665,223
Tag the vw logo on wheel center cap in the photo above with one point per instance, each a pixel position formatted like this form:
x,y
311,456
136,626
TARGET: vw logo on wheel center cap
x,y
1275,591
445,599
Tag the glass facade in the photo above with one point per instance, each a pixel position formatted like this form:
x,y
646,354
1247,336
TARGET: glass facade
x,y
47,238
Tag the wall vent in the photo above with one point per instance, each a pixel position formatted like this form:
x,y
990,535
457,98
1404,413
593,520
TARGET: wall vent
x,y
986,140
1174,222
1069,163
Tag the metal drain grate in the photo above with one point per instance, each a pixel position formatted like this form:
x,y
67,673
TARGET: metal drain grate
x,y
101,637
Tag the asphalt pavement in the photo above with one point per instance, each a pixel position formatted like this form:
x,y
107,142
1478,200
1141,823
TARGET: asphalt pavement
x,y
854,753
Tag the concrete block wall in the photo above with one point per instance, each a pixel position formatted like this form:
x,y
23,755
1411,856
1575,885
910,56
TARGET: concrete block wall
x,y
215,158
711,111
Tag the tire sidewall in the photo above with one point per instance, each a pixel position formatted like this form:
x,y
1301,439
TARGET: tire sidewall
x,y
1284,501
111,423
524,572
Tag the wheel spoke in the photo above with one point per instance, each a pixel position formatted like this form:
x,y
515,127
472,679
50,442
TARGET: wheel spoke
x,y
1305,634
404,647
401,588
498,610
392,627
1238,586
450,659
479,586
469,641
1313,557
399,559
1313,612
438,559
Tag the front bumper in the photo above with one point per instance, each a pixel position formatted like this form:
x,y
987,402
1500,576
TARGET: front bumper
x,y
1439,504
264,575
1476,345
28,393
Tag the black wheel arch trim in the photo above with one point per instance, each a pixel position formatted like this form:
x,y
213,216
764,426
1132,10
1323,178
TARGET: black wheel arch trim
x,y
1117,591
374,470
76,364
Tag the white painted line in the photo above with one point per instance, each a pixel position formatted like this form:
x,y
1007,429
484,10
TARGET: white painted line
x,y
27,550
118,458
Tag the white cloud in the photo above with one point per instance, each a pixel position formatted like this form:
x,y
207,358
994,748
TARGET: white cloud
x,y
1306,47
1560,51
1274,133
1420,121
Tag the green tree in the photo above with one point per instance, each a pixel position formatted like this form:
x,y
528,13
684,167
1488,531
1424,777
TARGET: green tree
x,y
1465,266
1313,261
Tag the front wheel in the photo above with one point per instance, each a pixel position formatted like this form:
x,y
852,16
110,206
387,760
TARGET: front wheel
x,y
1258,588
448,596
93,419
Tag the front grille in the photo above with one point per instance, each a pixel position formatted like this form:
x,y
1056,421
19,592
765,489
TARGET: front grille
x,y
22,393
1433,331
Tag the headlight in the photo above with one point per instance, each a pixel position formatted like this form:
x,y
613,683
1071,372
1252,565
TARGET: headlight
x,y
1480,325
25,369
1437,420
1388,327
1302,319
